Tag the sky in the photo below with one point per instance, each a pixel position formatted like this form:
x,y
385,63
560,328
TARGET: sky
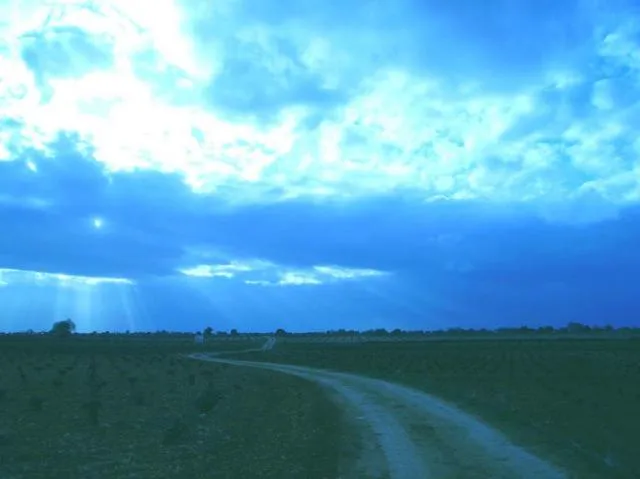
x,y
414,164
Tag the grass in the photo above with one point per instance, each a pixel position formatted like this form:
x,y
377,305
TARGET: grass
x,y
82,344
576,402
130,407
96,409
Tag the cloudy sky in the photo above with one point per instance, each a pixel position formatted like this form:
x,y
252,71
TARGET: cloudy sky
x,y
319,164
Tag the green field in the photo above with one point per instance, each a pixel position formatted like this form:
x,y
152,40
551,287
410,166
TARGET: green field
x,y
576,402
89,408
122,407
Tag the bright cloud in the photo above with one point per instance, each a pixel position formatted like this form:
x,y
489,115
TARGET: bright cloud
x,y
319,275
8,276
265,273
274,105
224,270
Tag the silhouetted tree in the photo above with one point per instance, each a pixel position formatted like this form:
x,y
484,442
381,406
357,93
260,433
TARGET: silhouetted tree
x,y
575,327
546,329
63,328
208,331
280,332
233,332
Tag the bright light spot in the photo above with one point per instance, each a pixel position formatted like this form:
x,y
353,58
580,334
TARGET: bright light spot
x,y
98,223
32,166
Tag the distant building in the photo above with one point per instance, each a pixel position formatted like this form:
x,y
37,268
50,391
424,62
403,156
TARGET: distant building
x,y
198,338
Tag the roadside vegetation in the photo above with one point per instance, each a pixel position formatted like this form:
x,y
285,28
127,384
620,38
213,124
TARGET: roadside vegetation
x,y
573,401
82,406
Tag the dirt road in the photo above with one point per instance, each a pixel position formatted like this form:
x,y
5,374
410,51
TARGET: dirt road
x,y
409,434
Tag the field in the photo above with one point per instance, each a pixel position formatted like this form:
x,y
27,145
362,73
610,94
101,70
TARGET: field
x,y
576,402
100,407
95,408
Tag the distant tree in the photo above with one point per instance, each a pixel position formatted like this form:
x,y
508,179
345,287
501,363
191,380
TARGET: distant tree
x,y
456,331
233,332
525,330
63,328
575,327
208,331
545,329
280,332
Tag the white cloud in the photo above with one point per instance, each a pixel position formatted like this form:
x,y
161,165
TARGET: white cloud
x,y
288,279
298,279
265,273
346,273
225,270
397,128
9,276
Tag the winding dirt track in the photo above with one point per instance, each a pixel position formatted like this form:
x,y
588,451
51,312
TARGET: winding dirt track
x,y
418,435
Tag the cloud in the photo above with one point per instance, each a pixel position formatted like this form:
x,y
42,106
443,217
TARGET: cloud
x,y
64,52
297,279
283,80
229,270
465,160
269,274
246,270
51,215
14,276
452,39
69,215
153,224
502,103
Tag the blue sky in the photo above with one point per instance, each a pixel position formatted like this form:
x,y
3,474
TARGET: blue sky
x,y
316,165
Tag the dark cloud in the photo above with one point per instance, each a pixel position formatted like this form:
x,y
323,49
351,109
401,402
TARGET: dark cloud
x,y
49,214
145,209
496,44
250,85
64,52
452,261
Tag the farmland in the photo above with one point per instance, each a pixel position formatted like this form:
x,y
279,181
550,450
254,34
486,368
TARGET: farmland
x,y
87,407
121,407
576,402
